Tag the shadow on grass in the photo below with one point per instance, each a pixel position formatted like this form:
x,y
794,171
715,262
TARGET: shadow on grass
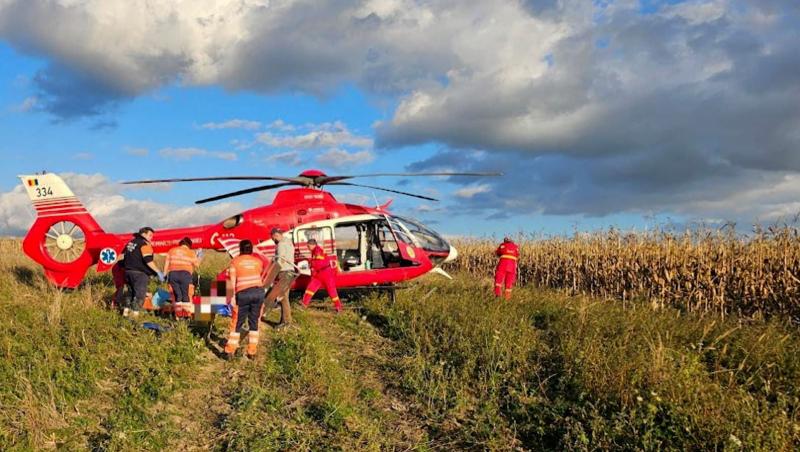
x,y
24,275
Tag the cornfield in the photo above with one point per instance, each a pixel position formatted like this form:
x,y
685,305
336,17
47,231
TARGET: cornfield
x,y
699,271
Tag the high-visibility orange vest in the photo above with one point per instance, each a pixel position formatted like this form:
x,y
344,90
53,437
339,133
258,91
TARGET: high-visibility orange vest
x,y
181,258
248,270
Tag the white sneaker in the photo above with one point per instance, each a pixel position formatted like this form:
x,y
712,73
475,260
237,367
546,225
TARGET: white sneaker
x,y
126,312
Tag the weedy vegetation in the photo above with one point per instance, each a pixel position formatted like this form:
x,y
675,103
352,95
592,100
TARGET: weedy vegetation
x,y
551,372
446,367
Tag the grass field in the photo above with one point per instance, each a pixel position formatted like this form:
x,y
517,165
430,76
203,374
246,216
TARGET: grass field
x,y
445,367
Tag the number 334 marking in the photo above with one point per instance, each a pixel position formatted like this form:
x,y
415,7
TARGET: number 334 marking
x,y
44,191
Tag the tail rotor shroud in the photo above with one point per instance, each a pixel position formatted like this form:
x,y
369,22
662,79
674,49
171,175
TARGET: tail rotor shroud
x,y
65,242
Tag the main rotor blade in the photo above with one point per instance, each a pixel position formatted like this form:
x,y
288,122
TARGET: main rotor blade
x,y
206,179
242,192
331,179
385,189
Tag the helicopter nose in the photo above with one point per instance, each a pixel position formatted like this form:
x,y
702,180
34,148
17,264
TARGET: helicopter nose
x,y
452,255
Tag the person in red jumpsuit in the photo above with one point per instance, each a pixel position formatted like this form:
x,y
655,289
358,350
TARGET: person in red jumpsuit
x,y
323,273
118,274
506,273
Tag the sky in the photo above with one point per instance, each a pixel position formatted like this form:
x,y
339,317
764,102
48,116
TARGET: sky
x,y
599,113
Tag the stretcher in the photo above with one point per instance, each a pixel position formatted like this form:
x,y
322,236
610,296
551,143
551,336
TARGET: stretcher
x,y
202,309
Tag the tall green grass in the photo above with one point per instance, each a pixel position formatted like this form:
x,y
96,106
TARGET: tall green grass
x,y
551,372
304,395
76,375
445,367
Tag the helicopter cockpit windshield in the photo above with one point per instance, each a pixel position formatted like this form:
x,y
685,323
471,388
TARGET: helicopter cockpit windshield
x,y
423,236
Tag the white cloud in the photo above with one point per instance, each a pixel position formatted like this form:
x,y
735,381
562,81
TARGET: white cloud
x,y
333,139
241,145
112,209
339,158
292,158
314,136
233,124
280,124
16,213
709,88
426,208
766,203
190,153
472,190
28,104
696,12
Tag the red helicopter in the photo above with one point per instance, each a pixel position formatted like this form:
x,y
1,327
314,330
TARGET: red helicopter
x,y
373,247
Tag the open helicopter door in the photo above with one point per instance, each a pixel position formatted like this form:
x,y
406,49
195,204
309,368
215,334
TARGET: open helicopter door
x,y
405,242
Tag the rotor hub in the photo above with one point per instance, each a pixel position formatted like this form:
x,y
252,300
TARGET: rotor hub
x,y
64,242
312,173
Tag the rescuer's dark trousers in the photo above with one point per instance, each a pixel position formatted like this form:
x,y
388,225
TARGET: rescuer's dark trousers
x,y
179,281
248,307
137,285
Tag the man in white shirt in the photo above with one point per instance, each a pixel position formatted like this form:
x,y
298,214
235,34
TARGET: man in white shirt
x,y
284,257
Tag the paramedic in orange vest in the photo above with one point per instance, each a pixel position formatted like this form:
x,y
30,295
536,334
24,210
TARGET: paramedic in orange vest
x,y
506,273
180,263
323,273
245,276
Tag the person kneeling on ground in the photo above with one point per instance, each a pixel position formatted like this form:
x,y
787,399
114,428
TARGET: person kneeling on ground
x,y
139,267
180,263
244,275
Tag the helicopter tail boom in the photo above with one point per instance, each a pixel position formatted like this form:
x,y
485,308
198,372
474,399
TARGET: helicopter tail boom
x,y
62,236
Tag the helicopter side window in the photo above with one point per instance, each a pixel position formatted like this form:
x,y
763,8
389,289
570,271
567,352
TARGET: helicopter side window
x,y
232,222
368,245
349,249
323,236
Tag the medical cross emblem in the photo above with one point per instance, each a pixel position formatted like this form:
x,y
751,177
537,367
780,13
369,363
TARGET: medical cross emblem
x,y
108,256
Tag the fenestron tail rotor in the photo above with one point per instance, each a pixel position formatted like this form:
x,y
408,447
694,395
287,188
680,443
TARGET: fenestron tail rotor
x,y
64,242
312,179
